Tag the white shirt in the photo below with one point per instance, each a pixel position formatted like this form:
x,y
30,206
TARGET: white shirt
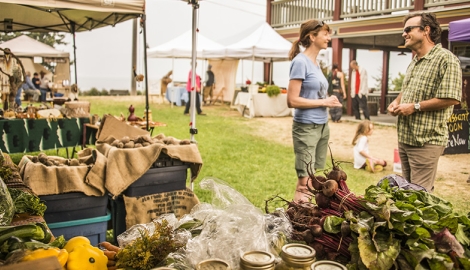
x,y
362,144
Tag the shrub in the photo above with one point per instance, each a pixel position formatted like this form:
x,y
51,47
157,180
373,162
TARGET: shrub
x,y
104,92
273,90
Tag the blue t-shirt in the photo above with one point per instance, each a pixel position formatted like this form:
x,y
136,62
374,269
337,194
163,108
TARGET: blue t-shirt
x,y
314,86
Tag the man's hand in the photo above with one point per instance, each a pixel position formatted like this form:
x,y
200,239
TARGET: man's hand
x,y
391,108
403,109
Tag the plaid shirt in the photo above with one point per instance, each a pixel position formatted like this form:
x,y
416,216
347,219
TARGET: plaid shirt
x,y
436,75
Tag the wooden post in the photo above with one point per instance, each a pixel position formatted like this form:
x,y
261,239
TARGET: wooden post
x,y
352,56
384,90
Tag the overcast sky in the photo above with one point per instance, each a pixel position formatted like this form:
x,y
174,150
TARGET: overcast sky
x,y
104,55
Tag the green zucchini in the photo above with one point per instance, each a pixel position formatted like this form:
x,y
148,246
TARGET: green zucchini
x,y
30,231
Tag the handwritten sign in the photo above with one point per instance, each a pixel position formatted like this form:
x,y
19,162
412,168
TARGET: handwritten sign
x,y
459,130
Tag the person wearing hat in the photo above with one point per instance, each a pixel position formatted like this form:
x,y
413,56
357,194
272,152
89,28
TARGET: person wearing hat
x,y
209,85
44,86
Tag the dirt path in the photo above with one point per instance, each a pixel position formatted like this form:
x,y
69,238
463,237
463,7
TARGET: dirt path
x,y
453,170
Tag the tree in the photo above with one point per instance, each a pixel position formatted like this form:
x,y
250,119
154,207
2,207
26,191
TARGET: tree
x,y
378,79
50,39
398,82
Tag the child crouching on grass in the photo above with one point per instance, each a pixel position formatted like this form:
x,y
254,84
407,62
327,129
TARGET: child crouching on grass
x,y
362,158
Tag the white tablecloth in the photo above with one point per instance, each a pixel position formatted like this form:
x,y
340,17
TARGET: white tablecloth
x,y
261,104
177,95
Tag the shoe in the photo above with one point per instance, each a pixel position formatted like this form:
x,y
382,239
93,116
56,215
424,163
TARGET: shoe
x,y
339,121
186,114
202,113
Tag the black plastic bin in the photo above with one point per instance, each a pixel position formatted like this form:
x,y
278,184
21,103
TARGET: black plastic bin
x,y
155,180
73,206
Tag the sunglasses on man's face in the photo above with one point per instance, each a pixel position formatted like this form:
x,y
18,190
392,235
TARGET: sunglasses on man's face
x,y
409,28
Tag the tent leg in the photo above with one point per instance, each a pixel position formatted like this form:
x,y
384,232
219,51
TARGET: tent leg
x,y
145,71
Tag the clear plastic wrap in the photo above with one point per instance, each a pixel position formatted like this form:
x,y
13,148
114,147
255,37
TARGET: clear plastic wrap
x,y
231,226
7,207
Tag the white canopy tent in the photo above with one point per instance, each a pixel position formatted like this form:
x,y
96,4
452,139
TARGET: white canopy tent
x,y
27,48
181,47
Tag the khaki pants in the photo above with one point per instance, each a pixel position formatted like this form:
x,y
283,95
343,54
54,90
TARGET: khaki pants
x,y
419,164
207,92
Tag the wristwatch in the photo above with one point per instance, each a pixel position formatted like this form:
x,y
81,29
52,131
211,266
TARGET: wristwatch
x,y
417,107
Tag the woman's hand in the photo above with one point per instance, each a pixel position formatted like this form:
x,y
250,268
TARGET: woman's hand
x,y
332,101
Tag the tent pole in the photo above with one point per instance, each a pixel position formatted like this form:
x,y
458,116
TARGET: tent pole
x,y
143,21
192,112
253,69
74,53
271,72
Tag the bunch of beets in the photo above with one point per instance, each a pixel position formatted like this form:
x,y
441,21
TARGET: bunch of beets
x,y
333,198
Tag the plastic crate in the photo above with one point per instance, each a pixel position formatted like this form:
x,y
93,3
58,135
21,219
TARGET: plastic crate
x,y
73,206
92,228
158,180
162,177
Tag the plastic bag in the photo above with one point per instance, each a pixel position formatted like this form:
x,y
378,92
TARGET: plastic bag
x,y
7,207
231,226
395,180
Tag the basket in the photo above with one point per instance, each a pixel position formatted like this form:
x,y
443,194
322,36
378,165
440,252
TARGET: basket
x,y
77,109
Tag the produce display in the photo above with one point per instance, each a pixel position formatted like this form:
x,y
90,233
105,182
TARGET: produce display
x,y
387,228
146,140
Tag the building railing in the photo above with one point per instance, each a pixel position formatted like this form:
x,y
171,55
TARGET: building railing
x,y
291,13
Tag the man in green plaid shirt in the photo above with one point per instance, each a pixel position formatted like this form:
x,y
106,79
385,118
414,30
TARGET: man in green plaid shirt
x,y
431,88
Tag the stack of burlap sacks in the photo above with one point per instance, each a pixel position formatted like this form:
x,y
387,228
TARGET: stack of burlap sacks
x,y
111,170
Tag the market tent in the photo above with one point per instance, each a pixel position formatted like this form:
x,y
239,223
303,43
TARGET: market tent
x,y
181,47
264,44
65,15
459,30
27,48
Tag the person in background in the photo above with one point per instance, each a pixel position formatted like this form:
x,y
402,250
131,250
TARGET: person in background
x,y
307,93
28,88
164,82
197,87
338,90
431,88
359,90
209,85
36,81
44,86
362,157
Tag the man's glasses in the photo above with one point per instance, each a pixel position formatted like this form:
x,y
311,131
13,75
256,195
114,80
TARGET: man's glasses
x,y
409,28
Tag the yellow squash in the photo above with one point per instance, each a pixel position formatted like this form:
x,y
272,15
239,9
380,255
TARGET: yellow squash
x,y
87,257
61,254
75,242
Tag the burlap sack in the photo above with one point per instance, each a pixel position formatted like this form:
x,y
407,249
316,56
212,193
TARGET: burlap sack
x,y
50,180
140,210
125,165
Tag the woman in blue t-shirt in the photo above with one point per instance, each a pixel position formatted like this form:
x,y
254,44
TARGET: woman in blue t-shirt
x,y
307,93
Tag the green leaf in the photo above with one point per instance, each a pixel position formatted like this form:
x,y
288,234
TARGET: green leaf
x,y
441,262
450,222
461,236
332,224
414,257
465,262
373,259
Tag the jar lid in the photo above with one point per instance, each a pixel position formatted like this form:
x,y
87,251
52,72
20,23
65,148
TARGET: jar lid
x,y
257,258
299,251
213,264
328,265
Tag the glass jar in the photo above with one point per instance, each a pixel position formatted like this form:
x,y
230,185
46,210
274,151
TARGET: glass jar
x,y
296,257
328,265
257,260
213,264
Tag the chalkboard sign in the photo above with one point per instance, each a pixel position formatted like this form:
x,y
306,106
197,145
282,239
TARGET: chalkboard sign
x,y
459,130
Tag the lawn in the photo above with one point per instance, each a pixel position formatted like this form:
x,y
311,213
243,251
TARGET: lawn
x,y
253,165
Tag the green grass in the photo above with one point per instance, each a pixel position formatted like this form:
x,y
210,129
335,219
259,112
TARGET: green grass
x,y
254,166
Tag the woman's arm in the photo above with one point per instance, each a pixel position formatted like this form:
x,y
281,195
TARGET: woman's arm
x,y
294,100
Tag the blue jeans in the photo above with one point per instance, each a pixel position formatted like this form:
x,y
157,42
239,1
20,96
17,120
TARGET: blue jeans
x,y
18,96
43,94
